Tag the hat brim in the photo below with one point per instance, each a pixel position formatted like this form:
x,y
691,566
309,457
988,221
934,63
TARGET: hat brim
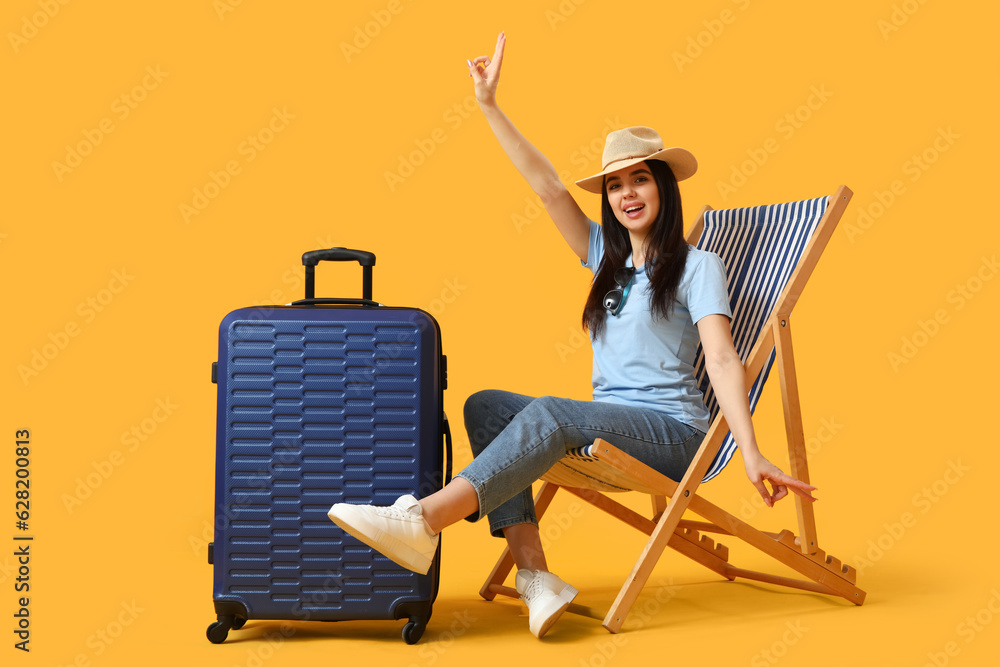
x,y
680,161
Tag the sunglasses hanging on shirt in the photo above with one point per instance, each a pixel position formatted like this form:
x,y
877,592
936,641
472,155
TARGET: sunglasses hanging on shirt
x,y
614,300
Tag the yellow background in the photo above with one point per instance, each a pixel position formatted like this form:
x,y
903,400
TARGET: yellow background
x,y
895,76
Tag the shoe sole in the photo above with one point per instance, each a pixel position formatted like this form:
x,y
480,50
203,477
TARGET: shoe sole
x,y
392,548
567,595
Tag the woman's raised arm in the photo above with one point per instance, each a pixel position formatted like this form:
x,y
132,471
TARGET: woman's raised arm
x,y
536,169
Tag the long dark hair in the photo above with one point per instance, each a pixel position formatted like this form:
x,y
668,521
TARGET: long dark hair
x,y
665,252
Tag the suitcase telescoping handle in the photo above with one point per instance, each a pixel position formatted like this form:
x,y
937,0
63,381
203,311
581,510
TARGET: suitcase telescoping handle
x,y
313,257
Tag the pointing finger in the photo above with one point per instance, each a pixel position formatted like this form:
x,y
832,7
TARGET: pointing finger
x,y
498,53
791,484
782,478
804,494
798,487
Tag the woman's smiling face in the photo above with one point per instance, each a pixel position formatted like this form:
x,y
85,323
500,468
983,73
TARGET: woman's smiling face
x,y
634,196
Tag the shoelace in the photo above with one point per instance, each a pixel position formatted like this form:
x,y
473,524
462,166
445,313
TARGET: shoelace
x,y
393,512
533,589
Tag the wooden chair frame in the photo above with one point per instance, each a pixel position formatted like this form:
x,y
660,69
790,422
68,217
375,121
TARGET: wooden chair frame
x,y
824,573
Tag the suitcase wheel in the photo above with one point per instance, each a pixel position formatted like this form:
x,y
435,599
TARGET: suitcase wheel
x,y
218,631
414,630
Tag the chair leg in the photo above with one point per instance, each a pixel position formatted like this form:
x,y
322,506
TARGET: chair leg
x,y
680,496
637,578
686,539
498,575
659,506
506,562
798,462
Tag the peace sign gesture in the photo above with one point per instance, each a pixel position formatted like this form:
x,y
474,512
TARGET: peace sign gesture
x,y
487,76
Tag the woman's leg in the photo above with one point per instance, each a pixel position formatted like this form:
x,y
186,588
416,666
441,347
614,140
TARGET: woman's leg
x,y
459,500
516,439
501,474
487,414
525,546
544,430
450,505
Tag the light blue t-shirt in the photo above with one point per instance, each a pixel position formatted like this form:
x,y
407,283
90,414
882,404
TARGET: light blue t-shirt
x,y
646,361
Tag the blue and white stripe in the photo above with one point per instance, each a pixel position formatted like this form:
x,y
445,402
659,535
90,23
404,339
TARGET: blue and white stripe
x,y
760,246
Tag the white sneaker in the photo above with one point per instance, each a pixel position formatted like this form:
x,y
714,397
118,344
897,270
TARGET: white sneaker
x,y
547,597
398,531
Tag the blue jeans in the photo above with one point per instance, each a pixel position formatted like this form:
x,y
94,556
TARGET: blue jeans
x,y
515,439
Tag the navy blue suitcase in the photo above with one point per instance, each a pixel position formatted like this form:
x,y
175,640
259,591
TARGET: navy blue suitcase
x,y
323,401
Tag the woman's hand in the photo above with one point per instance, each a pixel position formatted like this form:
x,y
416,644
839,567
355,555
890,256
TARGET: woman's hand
x,y
487,77
759,468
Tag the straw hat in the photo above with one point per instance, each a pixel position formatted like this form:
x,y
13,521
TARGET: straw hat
x,y
623,148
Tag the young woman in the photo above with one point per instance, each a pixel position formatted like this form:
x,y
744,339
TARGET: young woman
x,y
653,299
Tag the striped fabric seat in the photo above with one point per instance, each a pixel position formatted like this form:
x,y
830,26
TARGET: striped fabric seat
x,y
580,470
760,246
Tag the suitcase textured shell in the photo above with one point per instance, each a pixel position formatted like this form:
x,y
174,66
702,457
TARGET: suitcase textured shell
x,y
319,405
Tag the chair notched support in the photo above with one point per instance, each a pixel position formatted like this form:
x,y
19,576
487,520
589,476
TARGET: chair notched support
x,y
784,547
608,469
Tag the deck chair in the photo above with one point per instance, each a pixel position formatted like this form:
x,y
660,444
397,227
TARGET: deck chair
x,y
769,253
